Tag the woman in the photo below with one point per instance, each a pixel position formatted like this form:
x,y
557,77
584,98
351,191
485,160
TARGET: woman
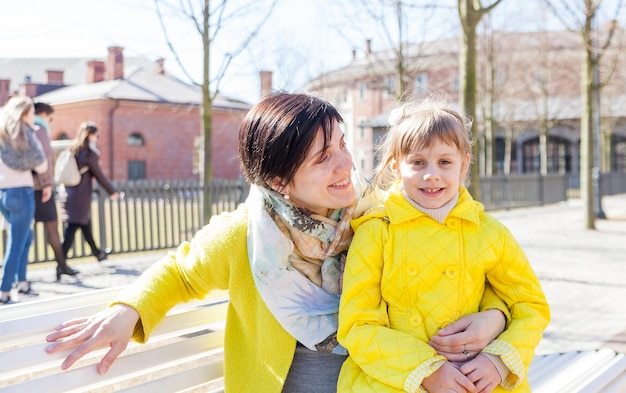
x,y
76,200
281,249
20,154
46,209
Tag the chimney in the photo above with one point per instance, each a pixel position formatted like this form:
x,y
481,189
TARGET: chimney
x,y
4,91
54,77
368,47
266,83
95,71
115,63
160,66
29,89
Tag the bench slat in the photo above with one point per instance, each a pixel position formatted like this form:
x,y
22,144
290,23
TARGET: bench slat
x,y
191,336
570,372
132,367
612,378
195,378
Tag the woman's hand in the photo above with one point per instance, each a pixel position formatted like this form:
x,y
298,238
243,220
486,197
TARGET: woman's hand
x,y
46,194
464,339
112,327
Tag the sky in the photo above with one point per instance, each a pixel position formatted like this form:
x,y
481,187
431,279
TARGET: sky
x,y
301,39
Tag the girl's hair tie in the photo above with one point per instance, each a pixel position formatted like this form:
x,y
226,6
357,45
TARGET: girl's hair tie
x,y
396,115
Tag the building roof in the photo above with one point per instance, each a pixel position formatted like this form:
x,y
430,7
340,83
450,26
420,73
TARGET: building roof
x,y
18,70
141,82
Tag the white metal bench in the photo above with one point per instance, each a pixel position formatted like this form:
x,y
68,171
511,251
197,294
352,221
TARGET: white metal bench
x,y
184,354
592,371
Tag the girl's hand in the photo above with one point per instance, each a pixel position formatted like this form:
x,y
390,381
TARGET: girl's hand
x,y
448,378
483,374
112,328
471,334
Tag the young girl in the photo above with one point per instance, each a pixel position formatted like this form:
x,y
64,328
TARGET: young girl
x,y
421,260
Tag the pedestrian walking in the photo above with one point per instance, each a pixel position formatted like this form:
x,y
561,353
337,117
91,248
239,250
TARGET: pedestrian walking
x,y
45,208
75,201
20,154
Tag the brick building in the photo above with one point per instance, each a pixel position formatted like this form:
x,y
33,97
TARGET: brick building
x,y
532,80
149,121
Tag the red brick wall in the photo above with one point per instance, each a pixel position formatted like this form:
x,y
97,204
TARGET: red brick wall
x,y
225,143
168,132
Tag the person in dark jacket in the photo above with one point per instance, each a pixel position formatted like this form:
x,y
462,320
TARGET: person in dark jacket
x,y
45,205
76,200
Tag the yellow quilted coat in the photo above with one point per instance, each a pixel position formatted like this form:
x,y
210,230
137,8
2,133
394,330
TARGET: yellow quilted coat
x,y
407,276
257,350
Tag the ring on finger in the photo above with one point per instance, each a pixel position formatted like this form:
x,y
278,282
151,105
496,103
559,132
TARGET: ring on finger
x,y
466,352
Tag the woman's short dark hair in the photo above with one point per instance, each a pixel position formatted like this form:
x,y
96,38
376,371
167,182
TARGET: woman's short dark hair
x,y
277,134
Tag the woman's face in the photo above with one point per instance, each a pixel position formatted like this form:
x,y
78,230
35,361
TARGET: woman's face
x,y
324,180
29,117
93,137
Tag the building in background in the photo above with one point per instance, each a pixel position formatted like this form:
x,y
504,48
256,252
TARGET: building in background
x,y
149,121
528,85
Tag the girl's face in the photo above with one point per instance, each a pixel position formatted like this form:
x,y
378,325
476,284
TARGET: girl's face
x,y
323,181
432,176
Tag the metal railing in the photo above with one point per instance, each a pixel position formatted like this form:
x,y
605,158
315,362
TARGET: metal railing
x,y
506,192
154,215
149,215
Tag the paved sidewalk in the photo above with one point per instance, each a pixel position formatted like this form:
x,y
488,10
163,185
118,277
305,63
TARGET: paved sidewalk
x,y
583,272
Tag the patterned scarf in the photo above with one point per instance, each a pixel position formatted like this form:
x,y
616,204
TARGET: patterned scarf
x,y
296,259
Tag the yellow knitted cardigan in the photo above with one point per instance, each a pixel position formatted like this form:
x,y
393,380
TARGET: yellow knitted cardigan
x,y
257,350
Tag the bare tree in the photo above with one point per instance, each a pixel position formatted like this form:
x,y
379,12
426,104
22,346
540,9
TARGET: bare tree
x,y
404,40
581,16
470,14
208,22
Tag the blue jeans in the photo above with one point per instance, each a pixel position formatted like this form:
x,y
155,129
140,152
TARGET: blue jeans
x,y
17,205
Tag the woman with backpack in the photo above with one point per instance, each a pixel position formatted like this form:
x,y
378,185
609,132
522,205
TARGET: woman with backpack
x,y
75,201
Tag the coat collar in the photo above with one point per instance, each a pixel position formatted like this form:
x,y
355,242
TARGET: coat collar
x,y
399,210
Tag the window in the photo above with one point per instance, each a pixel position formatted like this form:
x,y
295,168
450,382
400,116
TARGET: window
x,y
136,170
559,159
420,83
362,90
619,155
390,86
135,139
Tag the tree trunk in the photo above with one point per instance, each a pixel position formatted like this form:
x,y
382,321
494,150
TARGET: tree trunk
x,y
467,78
207,115
586,127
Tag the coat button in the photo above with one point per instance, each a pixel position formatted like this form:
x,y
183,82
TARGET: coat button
x,y
452,224
415,320
411,270
452,272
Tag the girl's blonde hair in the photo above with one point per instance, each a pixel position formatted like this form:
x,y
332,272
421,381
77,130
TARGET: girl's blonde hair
x,y
417,125
12,128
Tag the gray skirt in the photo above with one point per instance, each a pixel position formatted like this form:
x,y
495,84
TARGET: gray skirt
x,y
313,371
